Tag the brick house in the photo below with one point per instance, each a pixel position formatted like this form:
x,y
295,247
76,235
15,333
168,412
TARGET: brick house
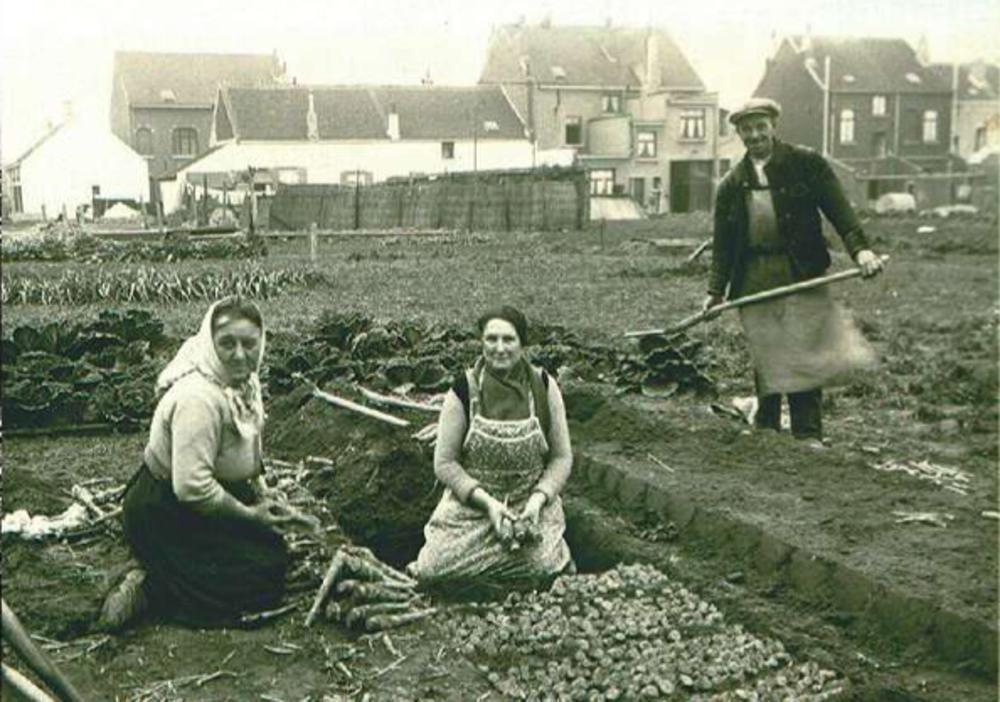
x,y
887,114
355,133
625,100
161,104
977,106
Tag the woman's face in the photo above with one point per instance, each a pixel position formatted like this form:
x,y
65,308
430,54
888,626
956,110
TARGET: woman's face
x,y
501,345
237,344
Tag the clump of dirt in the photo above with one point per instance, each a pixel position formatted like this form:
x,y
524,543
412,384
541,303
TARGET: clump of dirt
x,y
380,485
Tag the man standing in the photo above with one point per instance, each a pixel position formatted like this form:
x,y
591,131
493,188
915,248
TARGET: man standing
x,y
768,233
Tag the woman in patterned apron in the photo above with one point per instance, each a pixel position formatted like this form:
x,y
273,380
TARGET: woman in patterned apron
x,y
503,454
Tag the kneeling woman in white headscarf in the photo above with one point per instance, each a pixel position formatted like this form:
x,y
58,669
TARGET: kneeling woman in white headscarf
x,y
503,454
195,513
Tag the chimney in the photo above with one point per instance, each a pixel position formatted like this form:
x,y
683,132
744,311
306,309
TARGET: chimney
x,y
652,83
393,128
923,50
312,123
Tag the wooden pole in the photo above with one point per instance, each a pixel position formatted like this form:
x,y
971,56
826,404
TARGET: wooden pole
x,y
159,216
45,217
142,209
38,661
204,198
702,247
353,406
397,401
312,242
772,294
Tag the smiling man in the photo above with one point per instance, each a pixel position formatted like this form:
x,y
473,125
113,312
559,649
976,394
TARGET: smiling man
x,y
768,233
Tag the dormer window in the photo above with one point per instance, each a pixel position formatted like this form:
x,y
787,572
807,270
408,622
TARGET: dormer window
x,y
848,78
167,95
913,78
559,73
491,126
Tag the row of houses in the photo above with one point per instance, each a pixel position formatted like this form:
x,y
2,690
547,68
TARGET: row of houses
x,y
623,102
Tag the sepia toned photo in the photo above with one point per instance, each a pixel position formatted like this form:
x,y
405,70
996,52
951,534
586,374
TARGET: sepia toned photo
x,y
546,351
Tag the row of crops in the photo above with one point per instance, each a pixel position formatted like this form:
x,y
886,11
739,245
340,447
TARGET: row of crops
x,y
103,370
82,248
146,284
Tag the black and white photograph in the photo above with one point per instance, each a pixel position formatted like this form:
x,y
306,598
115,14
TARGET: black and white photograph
x,y
555,351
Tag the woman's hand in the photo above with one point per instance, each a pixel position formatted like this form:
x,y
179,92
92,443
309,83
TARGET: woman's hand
x,y
271,513
531,514
501,518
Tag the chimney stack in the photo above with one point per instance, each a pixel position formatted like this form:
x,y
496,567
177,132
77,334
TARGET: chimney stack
x,y
312,123
652,82
393,127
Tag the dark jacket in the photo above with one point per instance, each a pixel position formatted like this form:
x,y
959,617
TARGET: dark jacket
x,y
802,184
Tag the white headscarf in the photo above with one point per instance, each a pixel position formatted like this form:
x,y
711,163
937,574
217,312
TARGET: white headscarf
x,y
197,355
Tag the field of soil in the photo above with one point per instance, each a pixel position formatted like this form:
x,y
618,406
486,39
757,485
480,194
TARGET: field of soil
x,y
933,317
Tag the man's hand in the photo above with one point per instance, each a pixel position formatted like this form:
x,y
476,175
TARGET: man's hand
x,y
868,262
710,302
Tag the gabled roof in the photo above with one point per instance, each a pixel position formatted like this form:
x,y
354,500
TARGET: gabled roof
x,y
280,113
439,112
976,81
188,79
869,65
613,57
49,133
362,112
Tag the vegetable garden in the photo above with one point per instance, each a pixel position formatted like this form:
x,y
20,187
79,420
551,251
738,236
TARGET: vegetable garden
x,y
759,568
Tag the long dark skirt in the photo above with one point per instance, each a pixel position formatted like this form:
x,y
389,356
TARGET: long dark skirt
x,y
202,570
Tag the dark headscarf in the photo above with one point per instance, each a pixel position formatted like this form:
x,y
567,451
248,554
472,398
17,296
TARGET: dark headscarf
x,y
508,314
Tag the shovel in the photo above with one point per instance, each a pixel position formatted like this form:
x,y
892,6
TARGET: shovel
x,y
772,294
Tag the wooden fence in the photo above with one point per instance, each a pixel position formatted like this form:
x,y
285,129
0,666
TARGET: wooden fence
x,y
540,200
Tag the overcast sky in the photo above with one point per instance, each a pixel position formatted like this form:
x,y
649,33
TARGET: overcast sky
x,y
52,51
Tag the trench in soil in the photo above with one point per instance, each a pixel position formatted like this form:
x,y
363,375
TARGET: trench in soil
x,y
382,489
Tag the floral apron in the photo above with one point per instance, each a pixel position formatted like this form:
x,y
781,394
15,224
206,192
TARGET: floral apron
x,y
508,458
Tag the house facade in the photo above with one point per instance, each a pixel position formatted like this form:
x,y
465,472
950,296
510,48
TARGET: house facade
x,y
625,101
868,104
977,107
72,165
357,134
162,104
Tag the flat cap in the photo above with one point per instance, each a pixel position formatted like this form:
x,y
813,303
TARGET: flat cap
x,y
756,106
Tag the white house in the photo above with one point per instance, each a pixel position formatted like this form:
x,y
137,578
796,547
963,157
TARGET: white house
x,y
72,164
340,134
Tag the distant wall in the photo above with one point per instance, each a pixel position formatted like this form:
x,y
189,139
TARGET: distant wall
x,y
544,199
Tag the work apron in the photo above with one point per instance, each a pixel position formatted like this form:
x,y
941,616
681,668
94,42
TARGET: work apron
x,y
507,458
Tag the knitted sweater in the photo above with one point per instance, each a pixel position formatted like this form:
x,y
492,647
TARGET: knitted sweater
x,y
194,443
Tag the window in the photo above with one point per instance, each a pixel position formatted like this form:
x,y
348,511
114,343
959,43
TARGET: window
x,y
611,102
980,141
602,182
356,177
447,150
847,126
878,105
491,125
573,131
645,144
144,141
930,128
693,124
185,141
723,122
15,179
657,183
